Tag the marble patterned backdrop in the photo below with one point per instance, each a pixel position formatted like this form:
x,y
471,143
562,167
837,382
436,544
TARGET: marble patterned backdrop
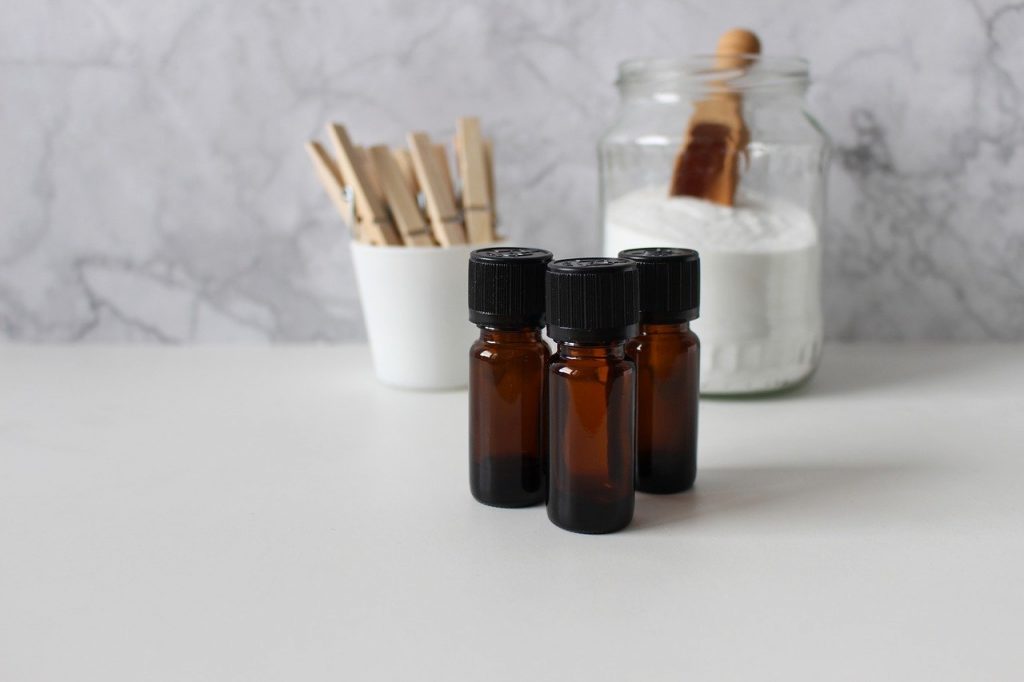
x,y
154,186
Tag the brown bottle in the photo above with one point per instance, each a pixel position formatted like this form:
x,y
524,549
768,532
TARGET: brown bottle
x,y
667,356
507,448
592,311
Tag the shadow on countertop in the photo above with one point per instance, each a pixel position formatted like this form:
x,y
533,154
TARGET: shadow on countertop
x,y
806,491
868,485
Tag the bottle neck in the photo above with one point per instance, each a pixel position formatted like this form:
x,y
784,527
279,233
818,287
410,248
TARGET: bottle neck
x,y
610,350
515,335
651,329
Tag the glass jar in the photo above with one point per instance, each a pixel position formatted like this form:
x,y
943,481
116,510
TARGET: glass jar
x,y
760,321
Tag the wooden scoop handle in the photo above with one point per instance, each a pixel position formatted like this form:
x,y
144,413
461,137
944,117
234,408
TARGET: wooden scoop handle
x,y
734,48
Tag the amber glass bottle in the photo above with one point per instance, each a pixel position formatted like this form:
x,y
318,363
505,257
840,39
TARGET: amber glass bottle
x,y
667,356
507,448
592,311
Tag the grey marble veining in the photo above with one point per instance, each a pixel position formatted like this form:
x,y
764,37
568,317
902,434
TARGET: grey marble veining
x,y
154,186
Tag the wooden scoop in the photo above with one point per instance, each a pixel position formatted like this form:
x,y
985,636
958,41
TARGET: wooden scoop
x,y
707,165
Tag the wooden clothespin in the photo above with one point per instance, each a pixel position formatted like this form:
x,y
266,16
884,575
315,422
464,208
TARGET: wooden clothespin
x,y
400,199
372,179
476,192
489,151
373,218
404,161
441,154
330,177
444,215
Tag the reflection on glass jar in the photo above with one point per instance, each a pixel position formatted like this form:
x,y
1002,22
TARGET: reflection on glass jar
x,y
760,321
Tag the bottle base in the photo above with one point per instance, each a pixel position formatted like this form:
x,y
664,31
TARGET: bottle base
x,y
666,471
509,482
510,503
663,489
592,519
592,531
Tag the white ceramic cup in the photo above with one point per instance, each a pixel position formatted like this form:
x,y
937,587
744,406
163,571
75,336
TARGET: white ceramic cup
x,y
417,313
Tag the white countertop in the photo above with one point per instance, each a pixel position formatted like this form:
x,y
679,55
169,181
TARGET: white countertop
x,y
274,514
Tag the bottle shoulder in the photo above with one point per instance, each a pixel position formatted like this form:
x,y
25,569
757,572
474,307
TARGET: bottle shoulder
x,y
490,351
587,368
681,342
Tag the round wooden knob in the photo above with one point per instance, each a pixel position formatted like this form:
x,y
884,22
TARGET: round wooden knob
x,y
738,41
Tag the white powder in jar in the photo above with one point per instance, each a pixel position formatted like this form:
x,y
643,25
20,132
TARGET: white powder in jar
x,y
760,321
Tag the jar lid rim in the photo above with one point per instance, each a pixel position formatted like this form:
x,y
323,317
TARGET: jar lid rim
x,y
701,70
